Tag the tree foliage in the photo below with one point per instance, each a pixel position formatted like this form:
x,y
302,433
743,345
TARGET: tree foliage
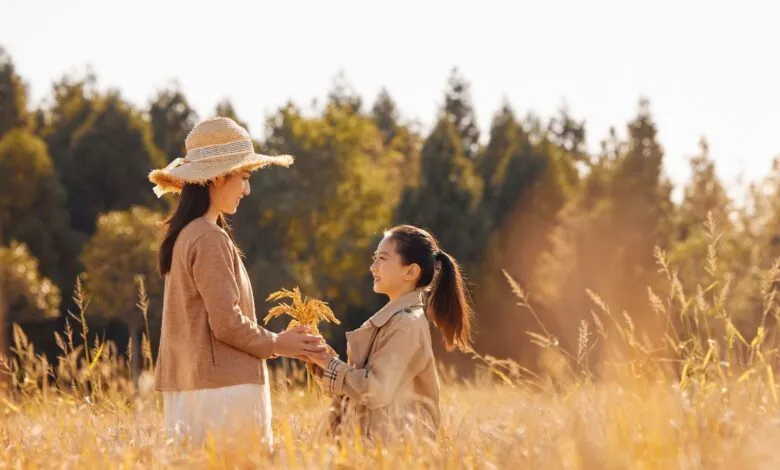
x,y
524,197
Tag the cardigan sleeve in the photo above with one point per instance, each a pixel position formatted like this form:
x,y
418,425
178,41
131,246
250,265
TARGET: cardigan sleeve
x,y
215,279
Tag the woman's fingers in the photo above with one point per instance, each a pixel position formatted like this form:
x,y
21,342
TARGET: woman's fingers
x,y
300,329
313,339
305,332
314,349
306,343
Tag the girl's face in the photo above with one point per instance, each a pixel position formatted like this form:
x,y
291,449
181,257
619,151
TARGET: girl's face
x,y
391,277
226,192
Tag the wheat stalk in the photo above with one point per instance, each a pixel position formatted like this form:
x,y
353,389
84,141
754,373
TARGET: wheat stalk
x,y
304,312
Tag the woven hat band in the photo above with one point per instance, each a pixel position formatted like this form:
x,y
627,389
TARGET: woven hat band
x,y
219,150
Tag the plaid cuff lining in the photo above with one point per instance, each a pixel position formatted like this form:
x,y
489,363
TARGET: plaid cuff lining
x,y
331,372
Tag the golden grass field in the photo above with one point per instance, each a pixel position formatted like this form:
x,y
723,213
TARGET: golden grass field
x,y
702,397
619,426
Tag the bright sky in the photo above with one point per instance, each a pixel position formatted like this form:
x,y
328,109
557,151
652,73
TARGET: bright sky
x,y
710,68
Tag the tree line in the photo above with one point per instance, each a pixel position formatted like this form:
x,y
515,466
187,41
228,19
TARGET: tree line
x,y
527,201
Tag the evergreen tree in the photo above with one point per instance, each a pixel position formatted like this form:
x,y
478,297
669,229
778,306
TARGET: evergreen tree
x,y
13,96
607,236
111,155
400,138
385,114
33,205
459,110
528,186
448,195
171,118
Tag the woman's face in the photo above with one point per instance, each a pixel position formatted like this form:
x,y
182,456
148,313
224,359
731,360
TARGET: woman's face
x,y
226,192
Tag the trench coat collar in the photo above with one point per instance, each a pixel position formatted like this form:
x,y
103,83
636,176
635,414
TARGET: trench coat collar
x,y
412,299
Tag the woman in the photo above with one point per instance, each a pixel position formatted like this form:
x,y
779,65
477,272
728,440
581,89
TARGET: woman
x,y
389,388
211,364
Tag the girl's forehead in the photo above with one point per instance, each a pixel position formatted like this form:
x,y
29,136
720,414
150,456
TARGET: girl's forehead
x,y
385,245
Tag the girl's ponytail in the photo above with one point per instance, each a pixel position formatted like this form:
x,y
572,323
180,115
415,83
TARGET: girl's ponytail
x,y
449,305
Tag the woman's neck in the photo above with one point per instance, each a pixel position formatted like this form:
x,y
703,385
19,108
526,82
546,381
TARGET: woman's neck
x,y
211,216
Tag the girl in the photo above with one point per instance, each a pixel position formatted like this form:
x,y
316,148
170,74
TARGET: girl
x,y
389,387
211,364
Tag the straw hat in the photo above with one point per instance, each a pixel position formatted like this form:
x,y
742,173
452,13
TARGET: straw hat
x,y
215,147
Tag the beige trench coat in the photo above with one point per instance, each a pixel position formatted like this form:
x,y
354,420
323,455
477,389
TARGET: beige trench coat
x,y
389,387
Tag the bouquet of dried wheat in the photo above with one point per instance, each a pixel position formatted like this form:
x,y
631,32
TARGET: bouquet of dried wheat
x,y
304,312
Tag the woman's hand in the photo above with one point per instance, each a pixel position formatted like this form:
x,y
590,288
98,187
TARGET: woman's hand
x,y
298,342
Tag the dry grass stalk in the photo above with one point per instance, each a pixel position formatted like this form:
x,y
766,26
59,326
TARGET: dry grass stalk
x,y
304,312
714,406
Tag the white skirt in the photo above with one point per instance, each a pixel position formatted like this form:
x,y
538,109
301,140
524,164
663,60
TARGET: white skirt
x,y
232,411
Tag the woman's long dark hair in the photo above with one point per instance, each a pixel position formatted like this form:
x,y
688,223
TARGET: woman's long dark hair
x,y
193,203
448,305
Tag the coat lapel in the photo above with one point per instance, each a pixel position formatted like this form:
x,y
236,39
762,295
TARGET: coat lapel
x,y
359,341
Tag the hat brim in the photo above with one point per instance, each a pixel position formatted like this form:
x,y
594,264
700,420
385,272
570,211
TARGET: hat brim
x,y
172,178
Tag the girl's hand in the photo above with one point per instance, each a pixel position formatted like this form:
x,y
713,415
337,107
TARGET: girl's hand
x,y
321,359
